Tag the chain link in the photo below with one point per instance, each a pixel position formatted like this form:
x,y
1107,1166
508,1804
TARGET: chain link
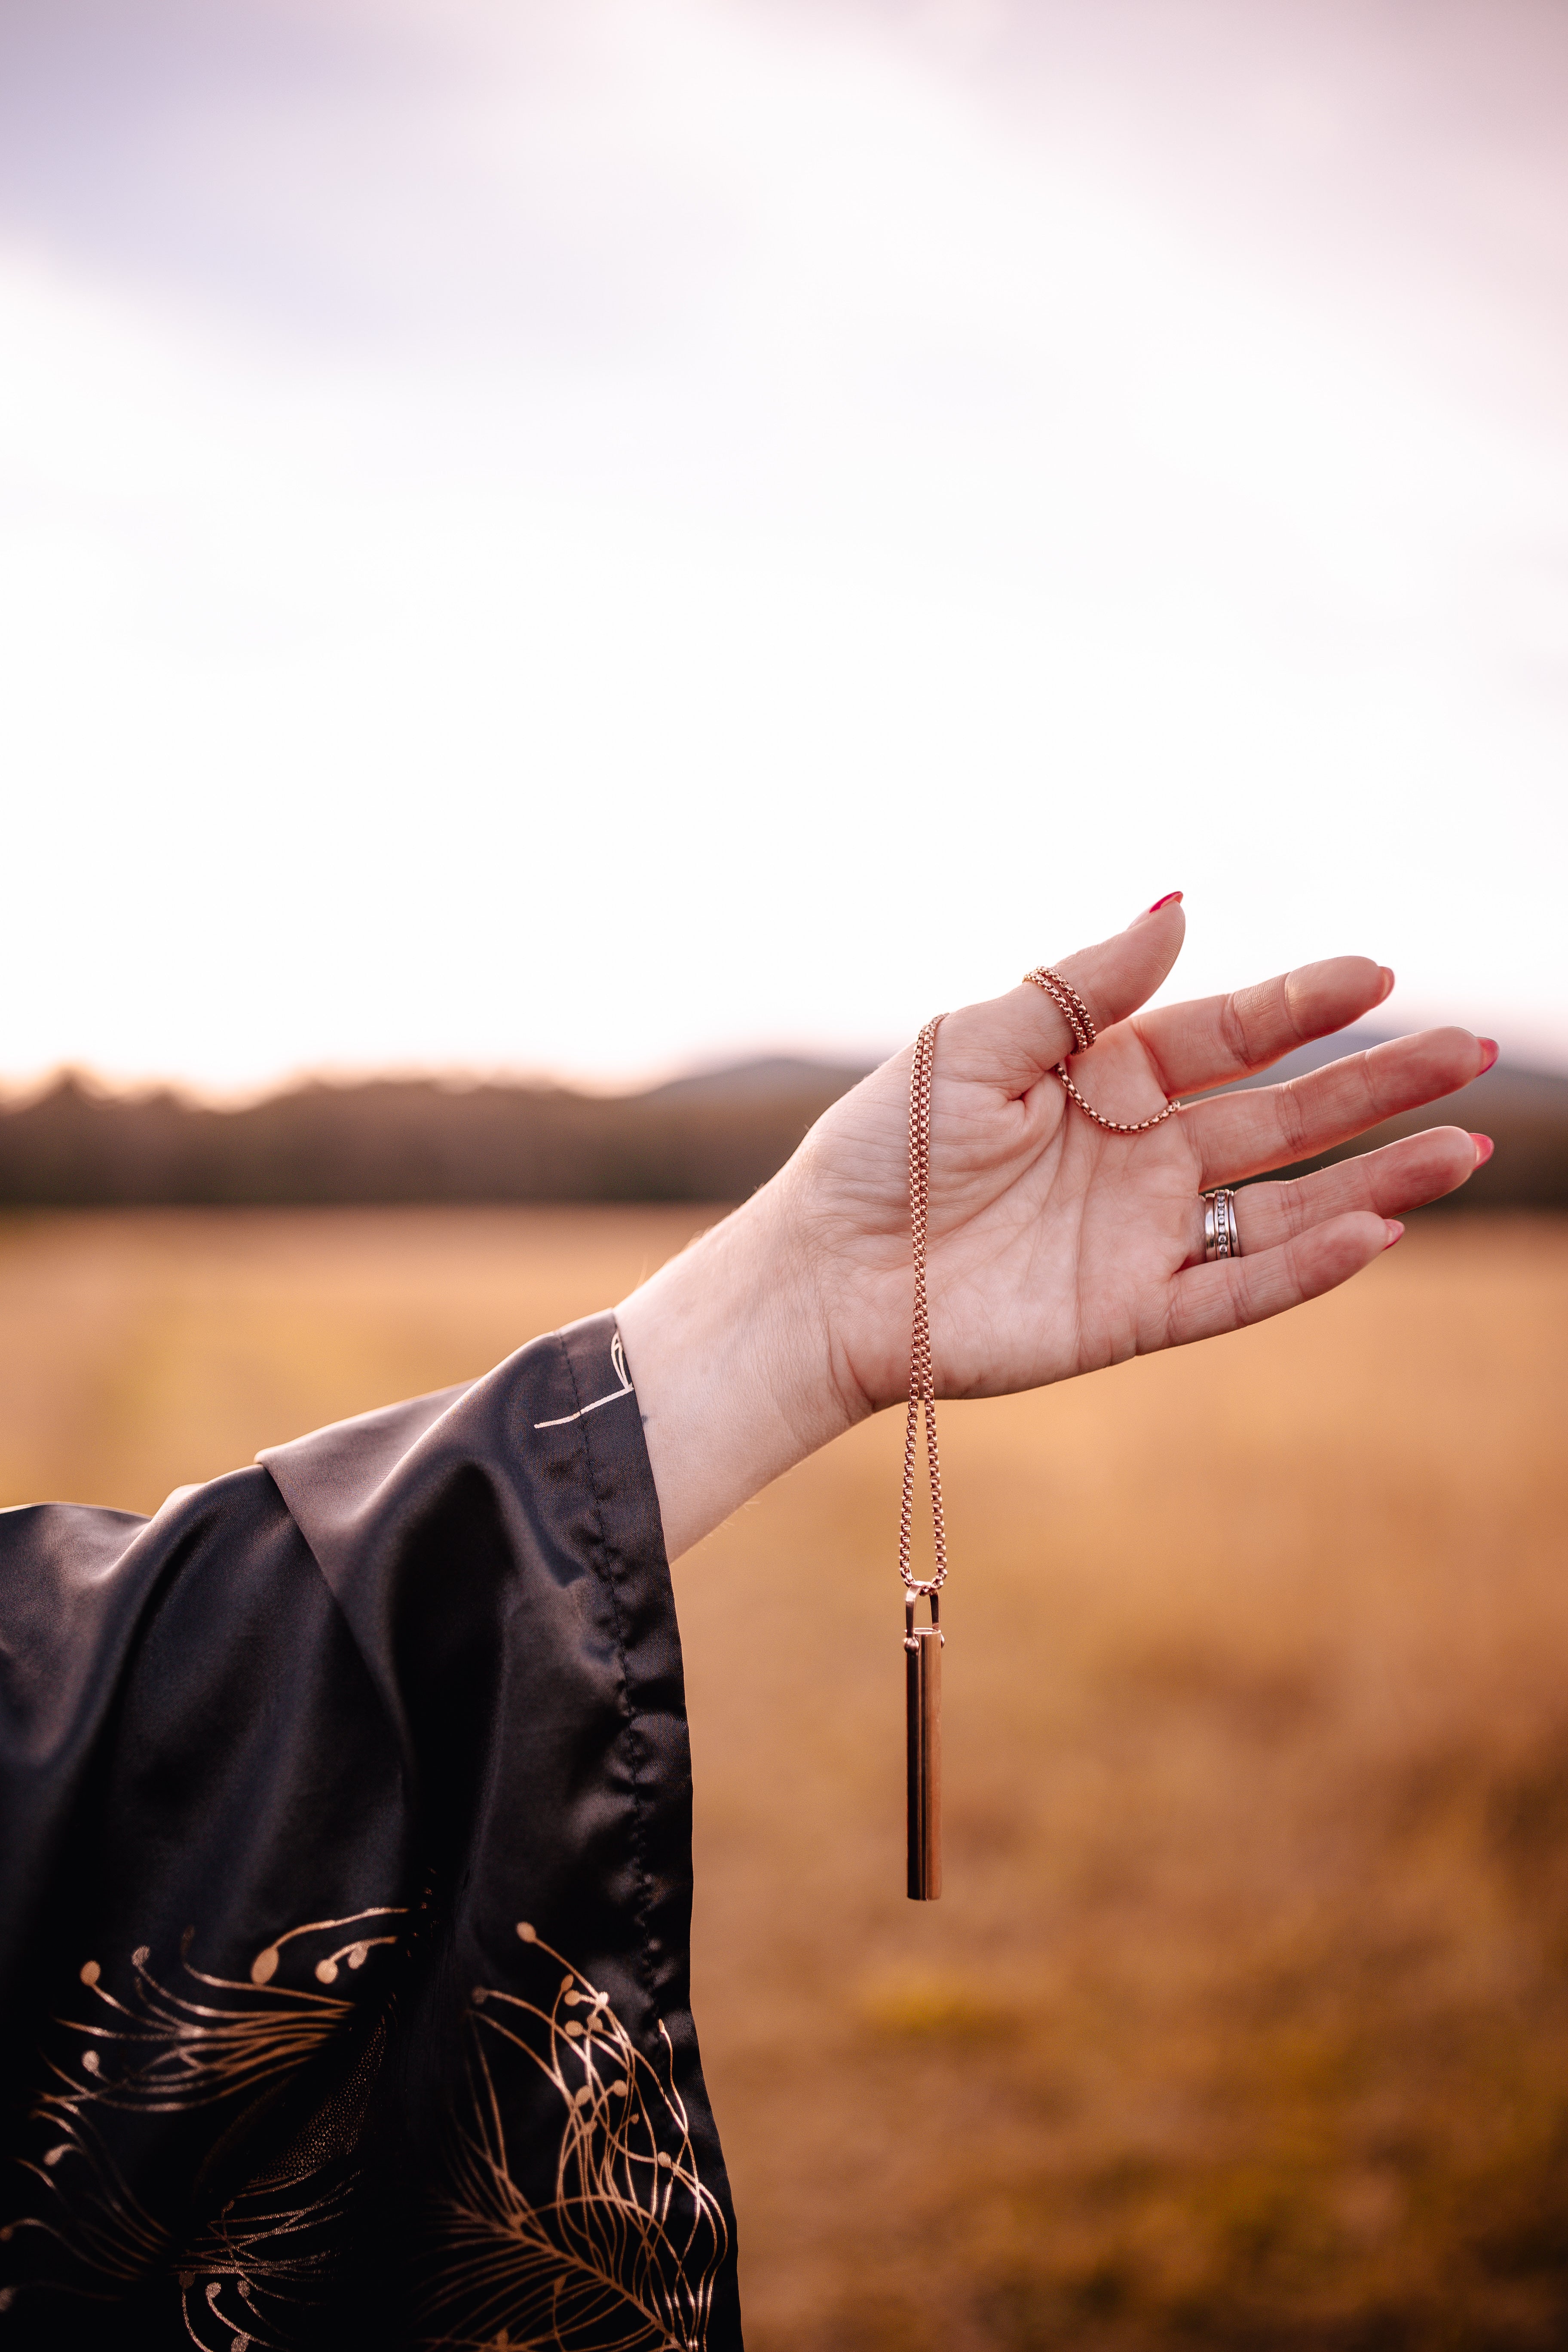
x,y
922,1380
1080,1021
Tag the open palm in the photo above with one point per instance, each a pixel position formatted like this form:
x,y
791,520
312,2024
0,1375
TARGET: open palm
x,y
1057,1247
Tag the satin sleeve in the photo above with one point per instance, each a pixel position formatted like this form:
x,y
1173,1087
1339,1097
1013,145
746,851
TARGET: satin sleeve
x,y
345,1896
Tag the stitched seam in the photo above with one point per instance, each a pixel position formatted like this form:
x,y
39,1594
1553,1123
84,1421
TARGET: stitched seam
x,y
640,1841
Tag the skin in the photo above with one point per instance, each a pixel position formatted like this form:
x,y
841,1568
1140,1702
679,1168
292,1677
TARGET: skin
x,y
1054,1248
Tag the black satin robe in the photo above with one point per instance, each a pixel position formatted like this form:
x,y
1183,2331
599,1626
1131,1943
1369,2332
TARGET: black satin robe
x,y
345,1896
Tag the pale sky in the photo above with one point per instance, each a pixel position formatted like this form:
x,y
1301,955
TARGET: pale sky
x,y
590,535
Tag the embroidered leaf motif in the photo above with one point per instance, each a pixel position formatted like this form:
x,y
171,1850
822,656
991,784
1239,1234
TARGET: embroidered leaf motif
x,y
625,2256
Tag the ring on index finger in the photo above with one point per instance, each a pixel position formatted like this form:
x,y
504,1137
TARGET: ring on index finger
x,y
1221,1236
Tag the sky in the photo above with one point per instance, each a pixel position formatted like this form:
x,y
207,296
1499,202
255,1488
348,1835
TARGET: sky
x,y
591,536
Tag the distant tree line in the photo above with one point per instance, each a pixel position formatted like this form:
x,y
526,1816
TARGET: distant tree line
x,y
713,1138
411,1140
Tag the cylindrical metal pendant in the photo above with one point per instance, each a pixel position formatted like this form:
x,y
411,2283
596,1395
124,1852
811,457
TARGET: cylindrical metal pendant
x,y
922,1696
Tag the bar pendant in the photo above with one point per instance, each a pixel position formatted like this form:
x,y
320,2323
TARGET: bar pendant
x,y
923,1698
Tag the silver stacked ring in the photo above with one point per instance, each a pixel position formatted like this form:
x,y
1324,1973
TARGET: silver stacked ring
x,y
1221,1237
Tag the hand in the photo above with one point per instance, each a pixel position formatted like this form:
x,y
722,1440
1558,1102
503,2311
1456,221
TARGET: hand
x,y
1055,1247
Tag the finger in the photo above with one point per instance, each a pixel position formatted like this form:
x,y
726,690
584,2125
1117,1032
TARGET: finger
x,y
1206,1300
1015,1038
1210,1039
1266,1127
1390,1182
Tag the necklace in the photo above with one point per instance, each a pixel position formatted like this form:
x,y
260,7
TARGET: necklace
x,y
922,1643
1080,1021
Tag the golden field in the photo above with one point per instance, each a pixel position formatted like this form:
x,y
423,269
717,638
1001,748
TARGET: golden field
x,y
1243,2021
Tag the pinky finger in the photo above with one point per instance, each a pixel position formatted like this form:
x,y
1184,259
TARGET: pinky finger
x,y
1206,1300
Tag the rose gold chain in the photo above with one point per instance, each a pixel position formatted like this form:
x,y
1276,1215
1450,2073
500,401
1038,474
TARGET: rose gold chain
x,y
922,1381
1079,1020
1069,1004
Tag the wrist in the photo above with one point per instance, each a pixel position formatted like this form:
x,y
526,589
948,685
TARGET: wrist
x,y
731,1348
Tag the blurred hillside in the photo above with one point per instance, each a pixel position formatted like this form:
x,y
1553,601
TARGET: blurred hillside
x,y
714,1135
710,1137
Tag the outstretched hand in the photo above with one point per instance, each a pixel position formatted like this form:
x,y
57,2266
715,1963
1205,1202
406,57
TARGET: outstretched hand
x,y
1055,1247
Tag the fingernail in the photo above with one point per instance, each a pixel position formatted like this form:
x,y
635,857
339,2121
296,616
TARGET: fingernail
x,y
1387,983
1165,901
1395,1231
1485,1147
1492,1049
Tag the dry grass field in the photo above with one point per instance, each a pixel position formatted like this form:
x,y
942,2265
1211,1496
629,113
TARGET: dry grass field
x,y
1245,2019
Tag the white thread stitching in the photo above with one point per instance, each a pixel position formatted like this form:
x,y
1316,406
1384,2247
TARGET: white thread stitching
x,y
617,1358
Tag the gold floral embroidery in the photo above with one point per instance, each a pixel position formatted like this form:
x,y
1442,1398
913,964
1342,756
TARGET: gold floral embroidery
x,y
170,2049
626,2255
167,2049
275,2243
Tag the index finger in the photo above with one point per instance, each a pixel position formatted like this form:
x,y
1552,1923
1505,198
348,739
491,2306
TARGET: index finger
x,y
1212,1039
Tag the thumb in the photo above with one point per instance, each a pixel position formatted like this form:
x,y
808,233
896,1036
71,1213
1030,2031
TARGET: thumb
x,y
1015,1038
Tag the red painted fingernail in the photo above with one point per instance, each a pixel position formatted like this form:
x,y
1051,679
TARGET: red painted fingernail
x,y
1492,1049
1161,902
1395,1231
1485,1147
